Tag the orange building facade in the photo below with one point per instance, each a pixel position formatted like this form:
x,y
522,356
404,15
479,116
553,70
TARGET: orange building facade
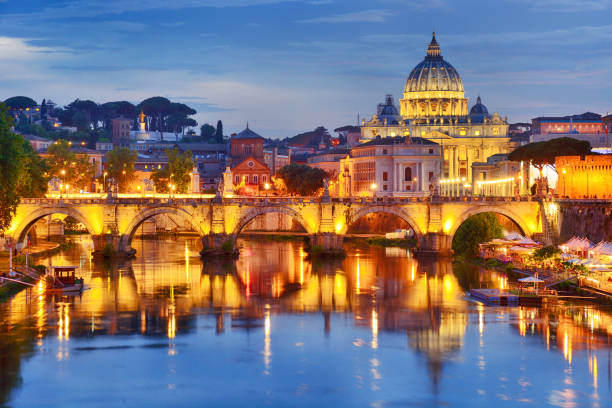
x,y
249,170
584,176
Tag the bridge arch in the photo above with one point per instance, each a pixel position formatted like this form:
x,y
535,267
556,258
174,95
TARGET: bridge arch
x,y
398,212
257,211
30,219
489,209
145,214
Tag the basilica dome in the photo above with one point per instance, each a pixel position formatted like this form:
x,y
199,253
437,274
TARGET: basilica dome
x,y
433,73
433,88
479,108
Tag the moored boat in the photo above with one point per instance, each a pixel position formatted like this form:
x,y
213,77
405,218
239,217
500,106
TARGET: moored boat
x,y
64,281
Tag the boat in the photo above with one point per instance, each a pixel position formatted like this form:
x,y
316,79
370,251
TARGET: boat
x,y
64,281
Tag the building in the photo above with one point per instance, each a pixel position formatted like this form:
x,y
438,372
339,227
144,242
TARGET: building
x,y
249,169
121,131
434,107
352,134
276,160
589,126
498,177
38,143
584,176
391,166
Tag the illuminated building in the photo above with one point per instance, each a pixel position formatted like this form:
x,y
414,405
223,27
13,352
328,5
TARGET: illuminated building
x,y
392,166
584,176
248,161
589,126
434,107
499,177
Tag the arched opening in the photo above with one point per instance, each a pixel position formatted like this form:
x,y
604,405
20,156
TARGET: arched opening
x,y
479,227
384,226
43,229
273,220
161,223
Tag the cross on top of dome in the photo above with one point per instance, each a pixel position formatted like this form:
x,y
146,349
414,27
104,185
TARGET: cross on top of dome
x,y
434,48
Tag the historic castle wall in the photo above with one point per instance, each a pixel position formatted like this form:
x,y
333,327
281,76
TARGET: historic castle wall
x,y
591,219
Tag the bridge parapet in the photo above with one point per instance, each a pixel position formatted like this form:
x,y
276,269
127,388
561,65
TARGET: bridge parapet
x,y
434,219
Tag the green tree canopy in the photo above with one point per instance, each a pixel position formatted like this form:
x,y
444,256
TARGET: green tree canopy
x,y
207,132
76,171
478,228
541,154
301,179
20,102
219,132
120,166
177,172
11,165
22,171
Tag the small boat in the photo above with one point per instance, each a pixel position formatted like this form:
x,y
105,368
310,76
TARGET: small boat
x,y
64,281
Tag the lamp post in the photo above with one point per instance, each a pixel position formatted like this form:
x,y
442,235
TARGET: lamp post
x,y
373,187
104,181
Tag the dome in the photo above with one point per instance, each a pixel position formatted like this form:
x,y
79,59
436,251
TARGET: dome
x,y
433,73
479,108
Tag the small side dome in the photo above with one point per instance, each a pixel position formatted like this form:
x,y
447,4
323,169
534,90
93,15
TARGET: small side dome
x,y
479,108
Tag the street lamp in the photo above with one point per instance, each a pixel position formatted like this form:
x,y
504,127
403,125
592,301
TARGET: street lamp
x,y
373,187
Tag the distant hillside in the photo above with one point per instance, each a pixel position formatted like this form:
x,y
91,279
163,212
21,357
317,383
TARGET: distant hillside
x,y
310,139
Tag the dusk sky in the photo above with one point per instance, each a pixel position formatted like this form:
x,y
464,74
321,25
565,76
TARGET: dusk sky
x,y
287,66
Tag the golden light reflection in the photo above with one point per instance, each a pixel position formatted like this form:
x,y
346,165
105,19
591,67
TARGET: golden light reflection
x,y
480,318
63,326
267,353
41,316
374,324
357,277
522,324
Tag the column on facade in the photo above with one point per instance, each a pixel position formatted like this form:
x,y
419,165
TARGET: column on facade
x,y
420,183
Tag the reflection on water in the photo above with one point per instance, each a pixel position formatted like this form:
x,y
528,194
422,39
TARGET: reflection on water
x,y
376,328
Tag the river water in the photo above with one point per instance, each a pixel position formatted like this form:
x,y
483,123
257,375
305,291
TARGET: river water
x,y
273,329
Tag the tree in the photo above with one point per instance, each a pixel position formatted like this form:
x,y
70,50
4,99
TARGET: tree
x,y
20,103
176,173
542,154
219,132
76,171
207,132
80,120
11,164
120,166
157,108
43,109
478,228
34,175
302,180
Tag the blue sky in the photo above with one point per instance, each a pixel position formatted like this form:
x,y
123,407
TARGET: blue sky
x,y
287,66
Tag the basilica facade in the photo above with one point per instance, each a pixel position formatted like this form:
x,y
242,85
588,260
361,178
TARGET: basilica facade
x,y
434,107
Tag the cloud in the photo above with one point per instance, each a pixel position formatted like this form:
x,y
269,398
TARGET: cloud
x,y
93,8
173,24
567,6
365,16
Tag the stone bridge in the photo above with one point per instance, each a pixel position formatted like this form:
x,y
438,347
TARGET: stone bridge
x,y
113,221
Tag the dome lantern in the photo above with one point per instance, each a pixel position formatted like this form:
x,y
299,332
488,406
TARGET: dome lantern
x,y
433,88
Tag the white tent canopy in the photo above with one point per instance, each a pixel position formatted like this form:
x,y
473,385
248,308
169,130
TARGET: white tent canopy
x,y
531,279
513,236
576,244
603,248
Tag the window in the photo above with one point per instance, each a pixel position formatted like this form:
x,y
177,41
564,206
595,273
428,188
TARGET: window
x,y
246,179
431,176
408,174
385,177
237,179
264,178
384,187
462,133
384,151
255,179
408,187
430,151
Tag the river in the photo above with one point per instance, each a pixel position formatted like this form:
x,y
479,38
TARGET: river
x,y
378,328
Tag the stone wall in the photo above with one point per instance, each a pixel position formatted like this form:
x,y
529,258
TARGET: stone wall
x,y
585,218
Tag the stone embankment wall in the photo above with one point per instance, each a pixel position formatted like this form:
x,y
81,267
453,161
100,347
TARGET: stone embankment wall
x,y
585,218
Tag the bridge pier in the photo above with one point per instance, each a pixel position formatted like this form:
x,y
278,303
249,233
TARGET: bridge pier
x,y
327,243
112,246
219,245
435,244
